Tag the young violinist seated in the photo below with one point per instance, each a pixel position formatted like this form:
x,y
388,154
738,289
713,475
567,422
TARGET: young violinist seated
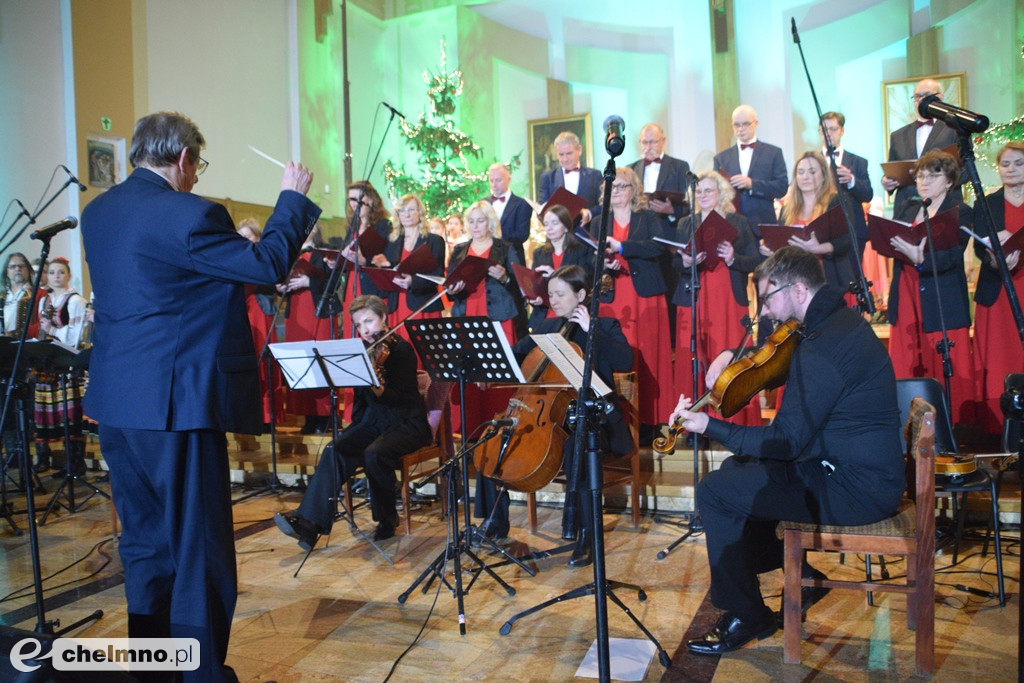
x,y
388,422
831,456
569,294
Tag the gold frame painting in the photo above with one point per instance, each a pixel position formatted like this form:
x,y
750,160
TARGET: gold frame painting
x,y
898,99
542,133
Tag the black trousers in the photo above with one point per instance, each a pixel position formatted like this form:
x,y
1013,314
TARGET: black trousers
x,y
741,504
377,447
173,494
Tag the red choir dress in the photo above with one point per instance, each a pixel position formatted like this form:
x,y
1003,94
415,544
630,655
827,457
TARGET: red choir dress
x,y
997,349
260,323
644,321
301,324
403,310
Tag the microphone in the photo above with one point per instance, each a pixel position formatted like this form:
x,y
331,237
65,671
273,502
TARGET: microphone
x,y
932,107
506,439
918,201
393,110
796,36
516,403
614,143
505,422
51,230
24,212
71,175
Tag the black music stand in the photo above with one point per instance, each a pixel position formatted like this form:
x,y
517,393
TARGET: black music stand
x,y
469,349
329,364
51,356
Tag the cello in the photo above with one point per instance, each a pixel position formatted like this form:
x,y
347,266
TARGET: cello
x,y
540,407
766,368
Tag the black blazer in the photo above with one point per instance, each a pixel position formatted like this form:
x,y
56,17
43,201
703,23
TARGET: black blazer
x,y
770,181
672,178
420,290
501,298
574,253
903,147
589,189
746,259
860,193
990,282
515,223
952,280
383,228
642,253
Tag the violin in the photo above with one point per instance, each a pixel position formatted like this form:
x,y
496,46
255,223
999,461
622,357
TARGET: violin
x,y
379,351
766,368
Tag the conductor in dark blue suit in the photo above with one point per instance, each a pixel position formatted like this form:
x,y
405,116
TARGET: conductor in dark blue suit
x,y
173,368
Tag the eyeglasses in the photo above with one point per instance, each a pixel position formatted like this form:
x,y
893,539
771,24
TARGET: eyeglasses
x,y
918,96
762,300
742,124
648,143
621,187
928,177
16,265
409,209
201,166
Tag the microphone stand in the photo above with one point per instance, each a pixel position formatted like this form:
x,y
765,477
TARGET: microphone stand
x,y
942,347
32,218
860,287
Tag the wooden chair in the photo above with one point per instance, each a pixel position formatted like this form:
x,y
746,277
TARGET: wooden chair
x,y
624,470
428,459
910,532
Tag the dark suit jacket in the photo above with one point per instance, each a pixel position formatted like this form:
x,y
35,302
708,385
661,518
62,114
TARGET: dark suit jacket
x,y
951,283
642,253
672,178
990,282
903,147
173,350
501,298
770,181
746,259
860,193
420,290
590,185
515,223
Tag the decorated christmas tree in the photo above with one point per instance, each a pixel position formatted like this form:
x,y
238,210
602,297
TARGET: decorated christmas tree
x,y
443,179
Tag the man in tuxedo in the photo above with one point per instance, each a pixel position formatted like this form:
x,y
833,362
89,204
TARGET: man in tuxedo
x,y
173,368
755,169
513,211
914,139
585,182
852,171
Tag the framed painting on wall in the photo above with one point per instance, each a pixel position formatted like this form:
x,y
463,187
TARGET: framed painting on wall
x,y
542,133
107,160
899,108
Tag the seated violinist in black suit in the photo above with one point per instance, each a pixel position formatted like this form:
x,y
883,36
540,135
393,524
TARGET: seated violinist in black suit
x,y
569,294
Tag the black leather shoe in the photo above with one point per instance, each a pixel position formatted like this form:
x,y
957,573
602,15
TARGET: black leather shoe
x,y
583,553
731,633
298,528
384,531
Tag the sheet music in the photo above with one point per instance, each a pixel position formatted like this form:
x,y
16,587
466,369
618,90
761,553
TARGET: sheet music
x,y
347,363
560,352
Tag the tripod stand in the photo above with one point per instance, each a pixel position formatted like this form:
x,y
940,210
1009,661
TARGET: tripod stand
x,y
463,350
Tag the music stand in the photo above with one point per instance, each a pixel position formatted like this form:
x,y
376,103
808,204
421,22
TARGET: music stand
x,y
329,364
468,349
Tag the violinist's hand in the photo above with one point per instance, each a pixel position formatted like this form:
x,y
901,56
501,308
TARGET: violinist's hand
x,y
545,270
726,252
381,261
403,281
914,252
456,287
764,250
812,245
581,316
691,422
715,369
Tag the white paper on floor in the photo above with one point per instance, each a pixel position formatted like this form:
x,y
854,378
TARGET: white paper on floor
x,y
628,657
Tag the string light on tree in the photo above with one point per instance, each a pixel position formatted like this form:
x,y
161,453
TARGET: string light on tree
x,y
447,185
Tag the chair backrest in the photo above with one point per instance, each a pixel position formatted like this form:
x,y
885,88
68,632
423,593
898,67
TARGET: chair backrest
x,y
1011,427
436,396
920,435
626,387
929,389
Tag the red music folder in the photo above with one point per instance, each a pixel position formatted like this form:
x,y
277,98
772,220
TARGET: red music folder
x,y
902,171
713,230
371,243
531,283
421,260
826,227
945,233
574,203
304,267
471,270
